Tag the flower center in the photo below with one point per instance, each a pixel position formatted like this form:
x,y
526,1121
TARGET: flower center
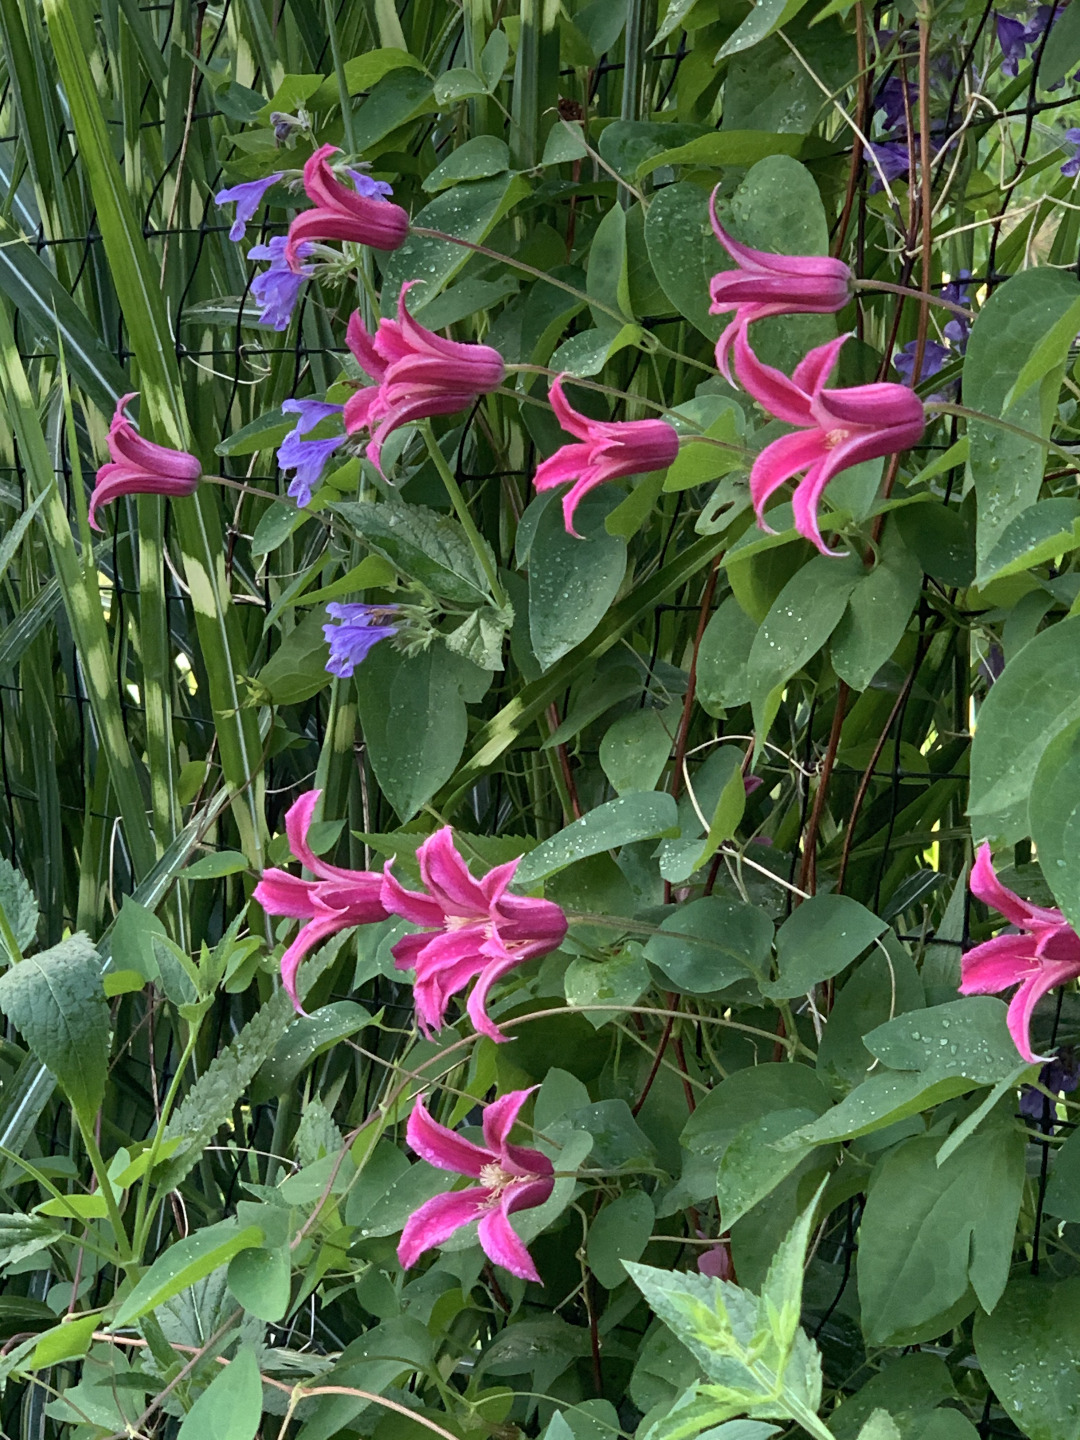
x,y
494,1178
458,922
834,437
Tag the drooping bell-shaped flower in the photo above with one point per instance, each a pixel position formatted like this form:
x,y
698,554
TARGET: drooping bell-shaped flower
x,y
837,428
763,284
247,198
139,467
363,215
358,629
473,930
511,1178
1044,955
307,458
335,900
277,288
609,449
417,374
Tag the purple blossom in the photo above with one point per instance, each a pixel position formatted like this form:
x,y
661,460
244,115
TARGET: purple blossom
x,y
307,457
956,331
360,628
370,189
277,288
1072,165
1061,1075
1012,37
892,158
935,356
890,103
956,290
990,669
247,198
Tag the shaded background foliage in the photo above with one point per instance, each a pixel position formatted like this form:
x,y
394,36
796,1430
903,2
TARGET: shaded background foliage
x,y
155,728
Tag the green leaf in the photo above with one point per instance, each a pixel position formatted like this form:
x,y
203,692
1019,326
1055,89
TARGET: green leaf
x,y
68,1341
683,252
722,677
468,211
801,619
633,817
932,1055
261,1282
1034,699
1008,333
306,1037
18,904
877,615
55,999
825,934
297,669
572,581
1062,49
1029,1351
1055,818
421,544
184,1263
478,159
362,72
24,1235
766,17
885,984
622,980
635,750
230,1408
751,1167
216,865
210,1101
620,1232
710,943
413,714
930,1231
880,1426
1046,530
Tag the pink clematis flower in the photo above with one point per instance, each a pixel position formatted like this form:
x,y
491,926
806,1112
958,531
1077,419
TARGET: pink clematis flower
x,y
417,374
837,428
511,1178
343,214
764,284
1044,955
139,467
335,900
610,450
473,929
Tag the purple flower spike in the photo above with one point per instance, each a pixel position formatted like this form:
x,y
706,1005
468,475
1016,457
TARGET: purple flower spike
x,y
307,457
1012,37
935,357
277,288
956,291
1072,165
370,189
247,198
359,630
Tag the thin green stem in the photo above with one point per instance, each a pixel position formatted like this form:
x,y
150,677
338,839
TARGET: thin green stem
x,y
944,407
100,1169
461,510
144,1213
344,101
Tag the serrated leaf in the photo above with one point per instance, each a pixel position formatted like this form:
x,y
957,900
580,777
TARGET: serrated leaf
x,y
421,544
18,903
57,1002
184,1263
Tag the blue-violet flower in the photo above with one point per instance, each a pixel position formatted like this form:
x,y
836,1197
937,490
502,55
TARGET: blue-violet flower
x,y
360,628
307,457
247,198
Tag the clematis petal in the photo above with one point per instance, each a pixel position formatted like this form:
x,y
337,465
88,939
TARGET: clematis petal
x,y
436,1220
311,934
770,387
815,368
500,1243
779,461
996,964
1022,1006
411,905
444,1148
500,1115
571,420
477,1002
280,893
986,886
447,876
